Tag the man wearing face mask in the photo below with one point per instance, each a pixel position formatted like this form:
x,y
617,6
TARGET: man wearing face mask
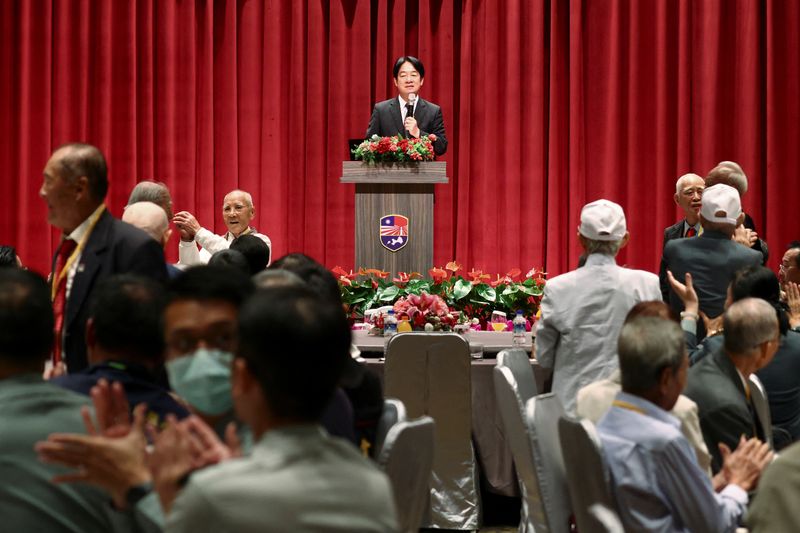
x,y
200,332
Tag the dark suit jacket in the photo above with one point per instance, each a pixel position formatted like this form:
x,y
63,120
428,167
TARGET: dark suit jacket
x,y
387,120
781,379
712,258
760,245
675,231
716,388
114,247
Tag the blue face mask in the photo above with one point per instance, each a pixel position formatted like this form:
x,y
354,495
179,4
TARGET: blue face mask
x,y
203,378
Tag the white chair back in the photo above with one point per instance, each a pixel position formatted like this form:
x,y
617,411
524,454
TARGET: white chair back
x,y
758,395
430,374
532,514
587,473
407,459
542,414
517,361
393,412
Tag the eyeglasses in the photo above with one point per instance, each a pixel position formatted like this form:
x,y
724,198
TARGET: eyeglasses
x,y
692,190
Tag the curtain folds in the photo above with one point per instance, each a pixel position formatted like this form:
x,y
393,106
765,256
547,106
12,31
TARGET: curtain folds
x,y
548,105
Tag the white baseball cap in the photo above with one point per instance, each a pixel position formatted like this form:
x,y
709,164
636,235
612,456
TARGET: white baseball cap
x,y
721,203
602,220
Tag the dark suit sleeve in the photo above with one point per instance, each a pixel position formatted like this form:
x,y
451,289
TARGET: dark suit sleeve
x,y
145,258
437,128
662,272
725,425
374,127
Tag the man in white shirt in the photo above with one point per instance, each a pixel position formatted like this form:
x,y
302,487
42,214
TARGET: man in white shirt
x,y
237,212
583,310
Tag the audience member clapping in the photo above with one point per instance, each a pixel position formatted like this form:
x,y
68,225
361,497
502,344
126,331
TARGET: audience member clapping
x,y
719,383
30,409
656,480
595,399
125,343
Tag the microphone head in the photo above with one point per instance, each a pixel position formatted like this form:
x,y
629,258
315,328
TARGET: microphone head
x,y
412,98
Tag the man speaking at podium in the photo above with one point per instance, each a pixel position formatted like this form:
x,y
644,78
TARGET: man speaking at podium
x,y
408,115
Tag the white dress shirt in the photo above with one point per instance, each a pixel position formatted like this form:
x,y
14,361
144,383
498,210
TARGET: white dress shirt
x,y
189,255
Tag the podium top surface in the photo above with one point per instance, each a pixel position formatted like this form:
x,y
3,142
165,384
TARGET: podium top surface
x,y
422,172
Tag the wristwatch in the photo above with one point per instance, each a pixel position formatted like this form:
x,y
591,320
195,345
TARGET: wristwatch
x,y
137,492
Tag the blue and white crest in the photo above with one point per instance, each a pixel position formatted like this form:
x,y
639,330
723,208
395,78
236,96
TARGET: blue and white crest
x,y
394,232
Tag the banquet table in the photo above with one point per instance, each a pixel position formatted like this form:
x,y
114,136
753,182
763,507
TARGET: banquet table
x,y
488,436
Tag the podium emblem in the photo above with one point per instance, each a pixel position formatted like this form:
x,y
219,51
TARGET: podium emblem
x,y
394,232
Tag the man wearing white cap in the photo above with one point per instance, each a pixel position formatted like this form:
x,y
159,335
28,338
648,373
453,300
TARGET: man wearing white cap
x,y
583,310
713,257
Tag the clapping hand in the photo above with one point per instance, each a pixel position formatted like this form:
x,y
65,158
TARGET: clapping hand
x,y
793,301
685,292
187,225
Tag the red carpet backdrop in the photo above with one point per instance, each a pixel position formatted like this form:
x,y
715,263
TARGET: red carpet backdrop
x,y
548,105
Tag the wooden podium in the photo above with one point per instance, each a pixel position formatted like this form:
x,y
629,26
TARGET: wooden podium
x,y
386,194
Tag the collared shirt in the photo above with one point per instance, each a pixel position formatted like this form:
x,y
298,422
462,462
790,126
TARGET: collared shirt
x,y
595,399
77,235
189,255
656,479
697,228
582,314
297,479
403,104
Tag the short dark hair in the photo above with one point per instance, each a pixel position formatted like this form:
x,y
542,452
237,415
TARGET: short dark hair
x,y
794,245
152,191
82,159
255,251
8,256
126,313
232,259
26,317
416,63
760,282
296,346
209,282
313,273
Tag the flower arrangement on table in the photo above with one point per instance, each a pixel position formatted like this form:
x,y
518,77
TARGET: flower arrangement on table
x,y
444,299
395,149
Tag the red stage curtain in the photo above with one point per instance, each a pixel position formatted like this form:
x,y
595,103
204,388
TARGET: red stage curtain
x,y
548,105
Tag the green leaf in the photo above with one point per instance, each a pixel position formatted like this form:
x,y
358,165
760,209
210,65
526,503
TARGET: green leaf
x,y
510,289
486,292
388,294
461,289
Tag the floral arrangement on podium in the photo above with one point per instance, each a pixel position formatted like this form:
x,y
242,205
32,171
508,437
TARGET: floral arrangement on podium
x,y
445,298
395,149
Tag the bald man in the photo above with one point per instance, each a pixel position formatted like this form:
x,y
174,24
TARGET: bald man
x,y
152,219
688,196
237,211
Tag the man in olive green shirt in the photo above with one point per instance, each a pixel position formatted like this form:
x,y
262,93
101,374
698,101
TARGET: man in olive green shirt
x,y
31,409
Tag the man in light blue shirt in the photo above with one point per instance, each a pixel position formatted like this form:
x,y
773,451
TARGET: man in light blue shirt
x,y
655,476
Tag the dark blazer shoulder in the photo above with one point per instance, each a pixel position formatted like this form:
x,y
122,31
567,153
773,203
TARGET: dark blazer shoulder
x,y
674,231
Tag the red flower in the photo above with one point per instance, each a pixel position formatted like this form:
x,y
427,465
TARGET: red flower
x,y
374,272
513,274
432,137
477,276
453,267
340,272
438,274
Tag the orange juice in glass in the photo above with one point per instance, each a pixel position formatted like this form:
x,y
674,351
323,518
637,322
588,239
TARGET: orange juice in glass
x,y
499,321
